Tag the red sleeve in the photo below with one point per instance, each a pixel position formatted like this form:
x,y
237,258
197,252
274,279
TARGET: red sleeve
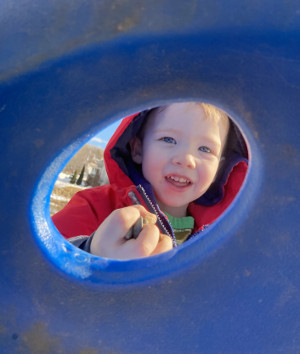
x,y
84,213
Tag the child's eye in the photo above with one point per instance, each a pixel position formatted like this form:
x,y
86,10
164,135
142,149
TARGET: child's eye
x,y
168,139
204,149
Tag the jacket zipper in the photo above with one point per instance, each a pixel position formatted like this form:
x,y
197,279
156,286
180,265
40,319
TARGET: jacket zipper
x,y
204,227
152,208
160,223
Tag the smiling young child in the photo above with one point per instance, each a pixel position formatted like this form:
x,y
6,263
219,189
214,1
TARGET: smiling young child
x,y
178,166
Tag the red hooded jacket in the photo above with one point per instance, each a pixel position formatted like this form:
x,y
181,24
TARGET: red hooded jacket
x,y
89,208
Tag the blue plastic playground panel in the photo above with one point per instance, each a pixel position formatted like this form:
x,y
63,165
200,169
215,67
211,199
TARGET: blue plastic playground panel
x,y
70,68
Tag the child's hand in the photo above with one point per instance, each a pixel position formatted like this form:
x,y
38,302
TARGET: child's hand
x,y
109,240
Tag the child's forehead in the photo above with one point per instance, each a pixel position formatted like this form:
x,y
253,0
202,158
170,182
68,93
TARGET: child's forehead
x,y
169,115
183,107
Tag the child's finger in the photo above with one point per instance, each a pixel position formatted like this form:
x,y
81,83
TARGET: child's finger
x,y
165,244
125,218
136,229
145,244
148,217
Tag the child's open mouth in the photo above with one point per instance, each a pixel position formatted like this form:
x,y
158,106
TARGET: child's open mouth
x,y
178,181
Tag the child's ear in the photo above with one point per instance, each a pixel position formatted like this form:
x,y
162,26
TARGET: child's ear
x,y
136,150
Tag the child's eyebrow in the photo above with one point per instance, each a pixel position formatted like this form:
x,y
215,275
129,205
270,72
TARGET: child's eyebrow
x,y
166,131
215,142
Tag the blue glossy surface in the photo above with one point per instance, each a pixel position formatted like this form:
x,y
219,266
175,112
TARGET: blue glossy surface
x,y
68,68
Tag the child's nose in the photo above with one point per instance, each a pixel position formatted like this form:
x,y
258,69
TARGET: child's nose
x,y
185,159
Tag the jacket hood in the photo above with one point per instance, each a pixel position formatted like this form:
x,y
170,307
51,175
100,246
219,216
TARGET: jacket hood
x,y
124,172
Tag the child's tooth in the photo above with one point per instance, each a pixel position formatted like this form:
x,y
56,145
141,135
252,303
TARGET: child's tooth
x,y
179,179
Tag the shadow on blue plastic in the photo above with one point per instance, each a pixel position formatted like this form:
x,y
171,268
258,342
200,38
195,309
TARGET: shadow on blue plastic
x,y
84,266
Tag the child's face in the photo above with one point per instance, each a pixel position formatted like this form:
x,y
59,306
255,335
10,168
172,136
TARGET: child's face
x,y
180,154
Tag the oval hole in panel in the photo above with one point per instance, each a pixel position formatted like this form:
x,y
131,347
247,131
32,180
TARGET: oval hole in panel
x,y
110,270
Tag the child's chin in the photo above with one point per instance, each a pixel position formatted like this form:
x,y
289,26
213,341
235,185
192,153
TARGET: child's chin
x,y
176,204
